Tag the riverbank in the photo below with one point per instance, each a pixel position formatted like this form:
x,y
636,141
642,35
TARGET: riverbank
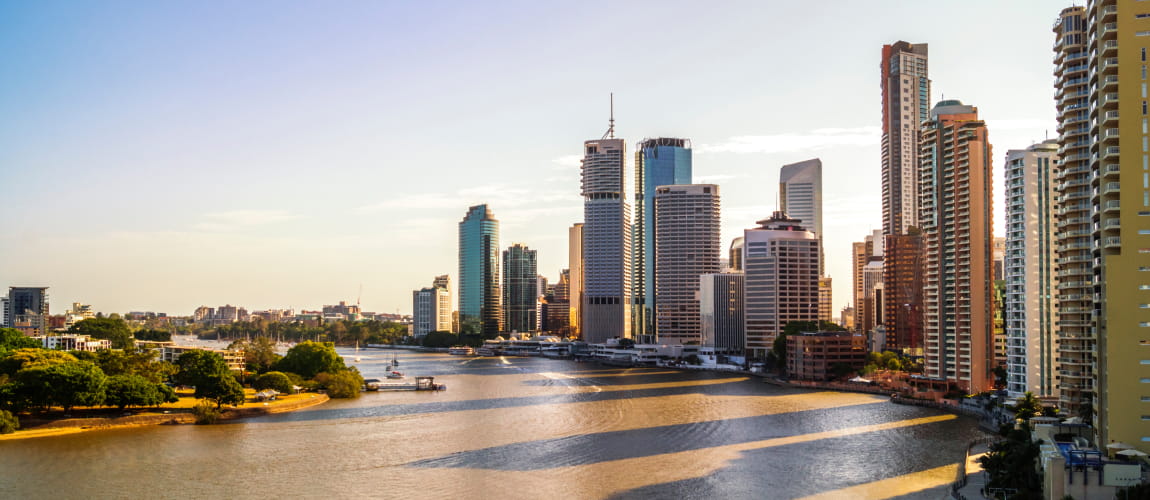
x,y
175,414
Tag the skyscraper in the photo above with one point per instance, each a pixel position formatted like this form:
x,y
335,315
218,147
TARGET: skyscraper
x,y
479,296
721,298
431,308
575,261
955,215
1029,271
658,162
801,196
868,252
26,309
826,312
606,241
520,289
905,105
687,245
1120,202
902,287
1074,239
781,265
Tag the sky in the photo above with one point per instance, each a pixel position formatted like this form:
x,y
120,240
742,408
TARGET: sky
x,y
159,156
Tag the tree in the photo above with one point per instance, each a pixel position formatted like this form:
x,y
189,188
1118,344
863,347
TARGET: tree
x,y
342,384
1028,407
8,422
145,363
199,367
223,389
260,354
123,391
111,328
14,361
79,383
153,335
11,338
1010,463
308,359
273,380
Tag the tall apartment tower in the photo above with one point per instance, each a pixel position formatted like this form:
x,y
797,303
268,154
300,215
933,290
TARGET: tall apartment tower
x,y
905,105
26,309
480,300
781,268
1120,201
663,161
721,298
686,246
431,308
520,289
801,196
1029,271
1074,239
902,286
955,206
575,279
606,241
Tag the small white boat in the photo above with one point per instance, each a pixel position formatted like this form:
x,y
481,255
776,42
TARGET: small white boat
x,y
460,350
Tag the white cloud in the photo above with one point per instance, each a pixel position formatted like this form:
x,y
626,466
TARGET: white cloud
x,y
236,219
780,143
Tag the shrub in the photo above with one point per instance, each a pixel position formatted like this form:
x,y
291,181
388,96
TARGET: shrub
x,y
206,413
342,384
273,380
8,422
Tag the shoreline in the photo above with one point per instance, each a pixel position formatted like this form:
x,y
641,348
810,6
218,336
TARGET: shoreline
x,y
69,426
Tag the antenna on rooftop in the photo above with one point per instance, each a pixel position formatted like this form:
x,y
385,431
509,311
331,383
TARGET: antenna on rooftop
x,y
610,133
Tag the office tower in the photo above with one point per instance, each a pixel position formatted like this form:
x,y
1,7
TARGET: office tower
x,y
735,259
575,293
801,196
431,308
26,309
558,306
686,247
826,312
1120,201
781,265
520,289
721,312
905,105
1074,239
1029,271
606,241
866,255
480,311
955,215
658,162
902,284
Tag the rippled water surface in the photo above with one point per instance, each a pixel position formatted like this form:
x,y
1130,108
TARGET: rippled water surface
x,y
521,428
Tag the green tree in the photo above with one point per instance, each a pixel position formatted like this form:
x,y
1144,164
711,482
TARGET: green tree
x,y
145,363
440,339
11,338
200,367
153,335
1028,407
14,361
8,422
342,384
1010,463
260,354
79,383
278,381
308,359
224,389
111,328
123,391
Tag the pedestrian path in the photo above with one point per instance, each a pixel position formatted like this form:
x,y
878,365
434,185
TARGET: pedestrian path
x,y
975,478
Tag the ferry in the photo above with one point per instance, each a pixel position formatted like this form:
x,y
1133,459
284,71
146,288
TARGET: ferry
x,y
461,350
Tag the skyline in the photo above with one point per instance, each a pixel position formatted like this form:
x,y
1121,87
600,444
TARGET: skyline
x,y
277,158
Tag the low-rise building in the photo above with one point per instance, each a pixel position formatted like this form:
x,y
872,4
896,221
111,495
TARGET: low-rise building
x,y
814,355
171,353
73,343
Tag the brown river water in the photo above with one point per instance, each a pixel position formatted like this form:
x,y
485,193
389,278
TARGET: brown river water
x,y
521,428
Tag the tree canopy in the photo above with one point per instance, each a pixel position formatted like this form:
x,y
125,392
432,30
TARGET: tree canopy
x,y
11,339
78,383
198,367
123,391
14,361
278,381
307,359
111,328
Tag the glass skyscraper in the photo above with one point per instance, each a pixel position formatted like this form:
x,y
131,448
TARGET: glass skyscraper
x,y
658,162
520,288
480,310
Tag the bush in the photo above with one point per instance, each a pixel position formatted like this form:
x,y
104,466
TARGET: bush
x,y
8,422
206,413
342,384
277,381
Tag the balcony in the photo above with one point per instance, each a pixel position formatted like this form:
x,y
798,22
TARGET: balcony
x,y
1111,188
1109,100
1110,119
1111,224
1111,206
1110,153
1112,242
1109,48
1111,170
1109,83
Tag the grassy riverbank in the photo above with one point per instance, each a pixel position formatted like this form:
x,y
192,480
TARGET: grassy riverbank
x,y
87,419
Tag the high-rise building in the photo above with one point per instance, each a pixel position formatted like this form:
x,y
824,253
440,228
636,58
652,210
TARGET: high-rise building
x,y
26,309
557,306
1120,202
520,289
801,196
721,297
606,241
480,300
872,299
867,254
905,105
735,259
826,309
902,286
781,265
1074,240
663,161
431,308
575,291
686,246
955,207
1029,271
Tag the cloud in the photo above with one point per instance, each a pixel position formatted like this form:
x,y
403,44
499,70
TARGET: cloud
x,y
781,143
237,219
568,161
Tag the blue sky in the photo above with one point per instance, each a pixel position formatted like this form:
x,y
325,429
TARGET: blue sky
x,y
164,155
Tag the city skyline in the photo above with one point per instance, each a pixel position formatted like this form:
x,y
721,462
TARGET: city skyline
x,y
183,187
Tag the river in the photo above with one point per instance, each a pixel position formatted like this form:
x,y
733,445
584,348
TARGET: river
x,y
521,428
